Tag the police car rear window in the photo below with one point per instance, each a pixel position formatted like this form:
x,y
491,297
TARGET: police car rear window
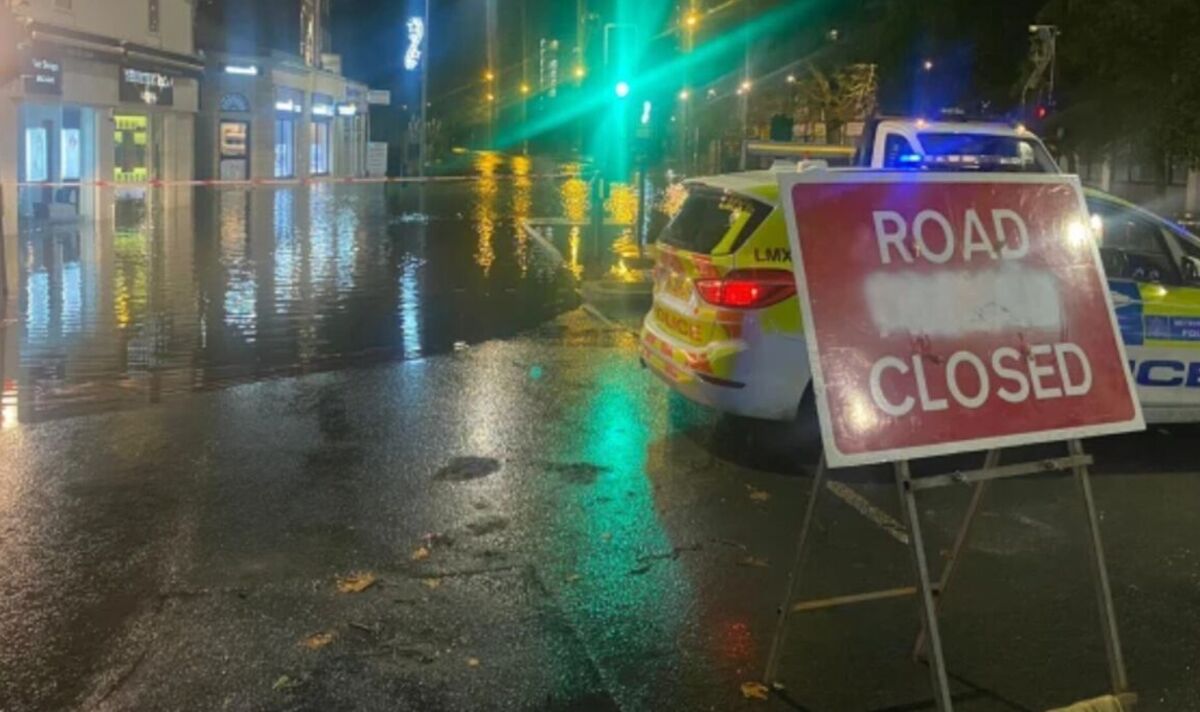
x,y
707,216
984,152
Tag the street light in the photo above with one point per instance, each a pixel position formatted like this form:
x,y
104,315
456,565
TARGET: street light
x,y
791,79
580,72
524,88
621,89
745,87
691,20
928,65
491,98
684,95
489,75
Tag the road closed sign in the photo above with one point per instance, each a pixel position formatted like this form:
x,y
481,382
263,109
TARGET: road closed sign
x,y
953,312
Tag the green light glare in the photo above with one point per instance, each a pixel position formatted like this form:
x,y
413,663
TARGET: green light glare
x,y
611,139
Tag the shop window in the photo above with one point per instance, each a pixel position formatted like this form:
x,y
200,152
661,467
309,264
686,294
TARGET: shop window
x,y
320,148
71,146
37,155
234,137
285,148
71,154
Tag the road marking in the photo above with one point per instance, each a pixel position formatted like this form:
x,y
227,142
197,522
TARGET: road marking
x,y
877,516
541,239
599,316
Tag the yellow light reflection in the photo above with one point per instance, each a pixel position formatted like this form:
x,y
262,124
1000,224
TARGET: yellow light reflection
x,y
672,200
486,189
130,277
574,241
522,203
621,205
575,199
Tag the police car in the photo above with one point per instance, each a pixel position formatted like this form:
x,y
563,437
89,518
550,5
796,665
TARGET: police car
x,y
725,329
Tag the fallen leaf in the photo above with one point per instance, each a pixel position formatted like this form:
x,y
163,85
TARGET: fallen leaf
x,y
755,691
572,578
356,582
753,562
316,641
472,662
282,682
431,582
420,554
757,495
606,536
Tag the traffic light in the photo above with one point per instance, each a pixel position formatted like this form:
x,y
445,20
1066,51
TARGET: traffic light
x,y
1041,112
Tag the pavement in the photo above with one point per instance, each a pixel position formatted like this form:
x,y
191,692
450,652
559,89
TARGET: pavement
x,y
536,523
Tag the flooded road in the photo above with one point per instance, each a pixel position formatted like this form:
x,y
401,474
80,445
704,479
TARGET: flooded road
x,y
184,289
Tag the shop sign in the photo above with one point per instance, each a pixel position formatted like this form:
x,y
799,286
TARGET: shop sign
x,y
235,104
377,159
379,97
143,86
43,76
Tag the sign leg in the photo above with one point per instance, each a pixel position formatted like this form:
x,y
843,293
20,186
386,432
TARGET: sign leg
x,y
991,460
781,624
1108,616
937,663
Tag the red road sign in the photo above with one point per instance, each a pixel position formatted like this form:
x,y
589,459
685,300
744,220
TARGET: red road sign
x,y
953,312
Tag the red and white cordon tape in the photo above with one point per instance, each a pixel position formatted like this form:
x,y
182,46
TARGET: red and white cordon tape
x,y
256,182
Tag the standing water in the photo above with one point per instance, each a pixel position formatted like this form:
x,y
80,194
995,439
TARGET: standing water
x,y
179,290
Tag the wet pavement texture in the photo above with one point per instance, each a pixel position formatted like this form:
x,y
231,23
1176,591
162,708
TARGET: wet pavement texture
x,y
354,447
548,529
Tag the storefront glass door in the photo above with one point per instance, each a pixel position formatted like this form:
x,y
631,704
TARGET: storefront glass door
x,y
320,148
285,148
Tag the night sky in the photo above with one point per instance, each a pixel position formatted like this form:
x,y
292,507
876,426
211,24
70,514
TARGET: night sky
x,y
979,51
370,36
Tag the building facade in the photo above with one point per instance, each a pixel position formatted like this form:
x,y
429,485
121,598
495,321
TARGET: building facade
x,y
274,104
108,98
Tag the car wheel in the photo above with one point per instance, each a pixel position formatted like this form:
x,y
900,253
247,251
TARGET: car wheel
x,y
781,446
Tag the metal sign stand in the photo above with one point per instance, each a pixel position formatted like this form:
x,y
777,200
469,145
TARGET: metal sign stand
x,y
928,592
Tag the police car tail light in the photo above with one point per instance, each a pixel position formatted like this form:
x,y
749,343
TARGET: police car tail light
x,y
748,288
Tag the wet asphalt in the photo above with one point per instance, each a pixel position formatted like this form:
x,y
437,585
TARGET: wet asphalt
x,y
535,523
548,528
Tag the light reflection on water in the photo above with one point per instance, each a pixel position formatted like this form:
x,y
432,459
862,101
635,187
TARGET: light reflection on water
x,y
196,290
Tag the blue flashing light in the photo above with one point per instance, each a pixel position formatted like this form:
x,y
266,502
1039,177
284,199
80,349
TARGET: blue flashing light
x,y
909,158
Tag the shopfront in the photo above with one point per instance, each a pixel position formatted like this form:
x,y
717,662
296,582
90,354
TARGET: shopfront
x,y
56,145
271,118
83,121
138,124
